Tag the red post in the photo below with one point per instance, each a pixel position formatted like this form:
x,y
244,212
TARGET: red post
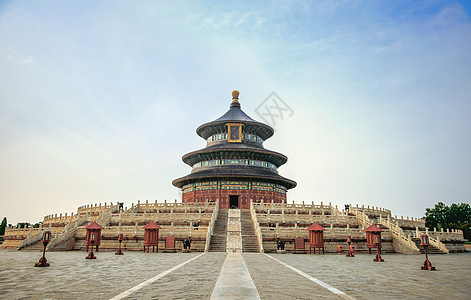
x,y
43,261
316,238
425,243
351,249
377,240
120,239
151,236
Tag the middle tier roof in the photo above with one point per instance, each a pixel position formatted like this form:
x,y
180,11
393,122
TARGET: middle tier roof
x,y
234,151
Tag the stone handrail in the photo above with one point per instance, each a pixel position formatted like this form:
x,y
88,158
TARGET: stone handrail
x,y
308,219
361,217
372,210
256,225
211,227
15,232
437,244
394,229
398,233
71,228
105,216
169,205
291,232
59,219
442,235
67,233
31,238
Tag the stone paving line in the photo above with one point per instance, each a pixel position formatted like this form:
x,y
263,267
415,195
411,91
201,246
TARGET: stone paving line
x,y
398,277
315,280
196,280
152,280
234,281
275,281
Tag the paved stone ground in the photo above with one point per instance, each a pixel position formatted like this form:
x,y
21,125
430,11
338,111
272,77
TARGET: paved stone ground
x,y
195,280
71,276
274,281
398,277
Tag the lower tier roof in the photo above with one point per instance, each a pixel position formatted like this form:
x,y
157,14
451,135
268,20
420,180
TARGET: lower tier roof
x,y
234,172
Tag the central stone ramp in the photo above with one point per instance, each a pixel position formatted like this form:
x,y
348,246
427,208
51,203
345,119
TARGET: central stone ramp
x,y
234,281
219,237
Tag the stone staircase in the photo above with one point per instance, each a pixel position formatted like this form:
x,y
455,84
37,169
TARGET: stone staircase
x,y
249,239
431,249
37,246
31,240
219,237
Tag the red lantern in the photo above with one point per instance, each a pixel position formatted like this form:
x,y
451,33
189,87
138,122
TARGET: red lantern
x,y
371,232
93,238
151,236
316,238
93,234
424,240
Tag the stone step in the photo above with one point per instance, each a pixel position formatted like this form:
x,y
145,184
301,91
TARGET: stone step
x,y
219,237
431,249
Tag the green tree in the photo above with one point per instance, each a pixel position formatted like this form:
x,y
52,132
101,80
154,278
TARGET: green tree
x,y
455,216
3,225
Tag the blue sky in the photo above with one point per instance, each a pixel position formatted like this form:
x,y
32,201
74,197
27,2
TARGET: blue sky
x,y
99,100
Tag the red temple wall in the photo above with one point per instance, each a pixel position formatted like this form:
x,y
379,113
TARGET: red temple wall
x,y
212,194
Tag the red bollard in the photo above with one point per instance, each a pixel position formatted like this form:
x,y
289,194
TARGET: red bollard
x,y
120,239
339,249
377,241
43,261
427,264
351,249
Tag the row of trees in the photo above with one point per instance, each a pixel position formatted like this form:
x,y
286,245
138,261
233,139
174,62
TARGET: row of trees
x,y
455,216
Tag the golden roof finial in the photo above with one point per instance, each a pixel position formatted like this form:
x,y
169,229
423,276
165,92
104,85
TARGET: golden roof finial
x,y
235,96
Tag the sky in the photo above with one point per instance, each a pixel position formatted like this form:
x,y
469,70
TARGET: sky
x,y
99,100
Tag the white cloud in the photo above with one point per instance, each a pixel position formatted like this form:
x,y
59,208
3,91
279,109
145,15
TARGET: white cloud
x,y
28,60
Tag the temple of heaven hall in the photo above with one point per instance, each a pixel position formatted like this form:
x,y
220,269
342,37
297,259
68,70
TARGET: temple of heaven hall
x,y
234,167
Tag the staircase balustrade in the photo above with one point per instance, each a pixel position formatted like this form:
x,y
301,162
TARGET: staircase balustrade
x,y
438,244
31,238
258,232
211,227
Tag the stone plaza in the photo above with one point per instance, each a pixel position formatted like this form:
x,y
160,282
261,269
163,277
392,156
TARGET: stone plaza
x,y
269,276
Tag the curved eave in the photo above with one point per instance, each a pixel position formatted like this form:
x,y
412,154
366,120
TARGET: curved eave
x,y
194,157
233,173
208,129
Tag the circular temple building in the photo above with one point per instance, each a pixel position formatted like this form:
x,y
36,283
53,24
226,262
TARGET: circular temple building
x,y
234,167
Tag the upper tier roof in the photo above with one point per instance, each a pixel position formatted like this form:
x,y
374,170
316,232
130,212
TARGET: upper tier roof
x,y
235,114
